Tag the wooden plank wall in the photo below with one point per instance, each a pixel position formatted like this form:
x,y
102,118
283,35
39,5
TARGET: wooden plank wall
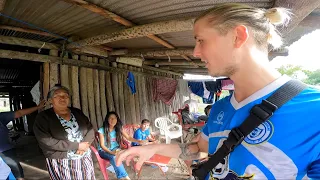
x,y
97,91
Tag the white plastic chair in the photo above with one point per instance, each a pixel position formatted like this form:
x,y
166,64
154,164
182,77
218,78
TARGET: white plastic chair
x,y
165,124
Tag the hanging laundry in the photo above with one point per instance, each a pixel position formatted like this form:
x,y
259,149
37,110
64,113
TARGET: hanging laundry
x,y
196,88
206,93
227,84
183,87
213,86
164,90
131,82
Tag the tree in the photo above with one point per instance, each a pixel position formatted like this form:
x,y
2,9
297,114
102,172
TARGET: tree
x,y
297,72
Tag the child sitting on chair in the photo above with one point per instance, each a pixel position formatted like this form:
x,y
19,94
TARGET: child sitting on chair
x,y
143,134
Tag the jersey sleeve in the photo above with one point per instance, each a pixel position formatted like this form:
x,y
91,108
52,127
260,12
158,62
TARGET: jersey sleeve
x,y
314,170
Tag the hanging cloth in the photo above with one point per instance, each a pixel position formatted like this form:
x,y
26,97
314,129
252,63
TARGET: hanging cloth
x,y
131,82
164,90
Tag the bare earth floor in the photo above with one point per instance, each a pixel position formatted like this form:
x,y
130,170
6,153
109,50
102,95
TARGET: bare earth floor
x,y
33,163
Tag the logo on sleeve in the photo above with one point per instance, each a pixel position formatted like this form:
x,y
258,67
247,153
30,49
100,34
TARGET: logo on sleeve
x,y
219,118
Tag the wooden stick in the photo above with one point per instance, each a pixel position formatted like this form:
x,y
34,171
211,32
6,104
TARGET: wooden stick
x,y
92,111
54,77
109,85
132,103
115,89
83,88
64,74
75,84
46,79
102,85
136,97
28,42
96,90
122,109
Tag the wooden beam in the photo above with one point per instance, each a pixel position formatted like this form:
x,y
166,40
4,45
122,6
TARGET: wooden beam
x,y
26,30
57,60
170,52
173,63
98,51
137,31
28,43
108,14
300,9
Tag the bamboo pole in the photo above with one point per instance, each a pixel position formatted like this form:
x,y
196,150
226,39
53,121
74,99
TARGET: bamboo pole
x,y
92,111
122,110
136,97
96,90
83,88
75,84
115,89
127,105
132,103
64,74
109,85
102,85
54,77
46,79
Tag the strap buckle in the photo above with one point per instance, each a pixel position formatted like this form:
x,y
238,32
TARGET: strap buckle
x,y
264,110
234,139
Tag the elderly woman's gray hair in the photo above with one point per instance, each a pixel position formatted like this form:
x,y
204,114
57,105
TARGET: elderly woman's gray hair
x,y
54,89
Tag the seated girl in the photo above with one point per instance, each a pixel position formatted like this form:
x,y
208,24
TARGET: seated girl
x,y
110,136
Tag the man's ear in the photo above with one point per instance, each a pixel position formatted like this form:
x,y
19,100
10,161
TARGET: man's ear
x,y
241,35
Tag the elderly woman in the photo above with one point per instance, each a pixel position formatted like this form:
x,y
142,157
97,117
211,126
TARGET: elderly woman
x,y
64,135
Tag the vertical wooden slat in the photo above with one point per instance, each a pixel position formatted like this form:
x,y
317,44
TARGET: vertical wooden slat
x,y
83,88
102,85
75,84
109,94
46,79
96,90
132,103
92,111
54,76
126,94
115,89
136,97
141,84
64,74
121,96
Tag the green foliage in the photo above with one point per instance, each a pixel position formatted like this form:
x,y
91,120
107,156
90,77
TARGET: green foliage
x,y
310,77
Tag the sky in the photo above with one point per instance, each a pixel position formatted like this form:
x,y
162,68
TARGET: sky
x,y
305,52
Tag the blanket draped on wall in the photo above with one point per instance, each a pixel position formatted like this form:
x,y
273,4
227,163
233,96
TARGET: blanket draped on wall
x,y
164,90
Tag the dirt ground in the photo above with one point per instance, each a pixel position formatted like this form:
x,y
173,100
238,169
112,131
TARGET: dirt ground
x,y
33,163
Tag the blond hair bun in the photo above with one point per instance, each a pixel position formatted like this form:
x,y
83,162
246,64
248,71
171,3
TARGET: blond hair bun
x,y
278,16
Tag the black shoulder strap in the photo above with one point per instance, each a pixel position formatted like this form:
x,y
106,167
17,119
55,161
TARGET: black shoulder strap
x,y
258,114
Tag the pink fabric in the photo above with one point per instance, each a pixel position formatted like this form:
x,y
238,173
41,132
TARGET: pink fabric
x,y
164,90
227,85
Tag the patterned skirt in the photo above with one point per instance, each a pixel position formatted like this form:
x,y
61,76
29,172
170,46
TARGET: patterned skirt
x,y
68,169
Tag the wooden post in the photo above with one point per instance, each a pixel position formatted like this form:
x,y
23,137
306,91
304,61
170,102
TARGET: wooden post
x,y
115,89
152,104
127,107
121,97
64,74
109,85
75,84
92,111
96,90
46,79
142,96
102,85
83,88
132,103
54,77
136,97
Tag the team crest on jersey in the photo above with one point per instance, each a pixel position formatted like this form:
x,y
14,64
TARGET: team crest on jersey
x,y
260,134
219,118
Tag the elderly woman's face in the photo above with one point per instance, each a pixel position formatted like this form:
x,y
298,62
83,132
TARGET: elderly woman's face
x,y
60,99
